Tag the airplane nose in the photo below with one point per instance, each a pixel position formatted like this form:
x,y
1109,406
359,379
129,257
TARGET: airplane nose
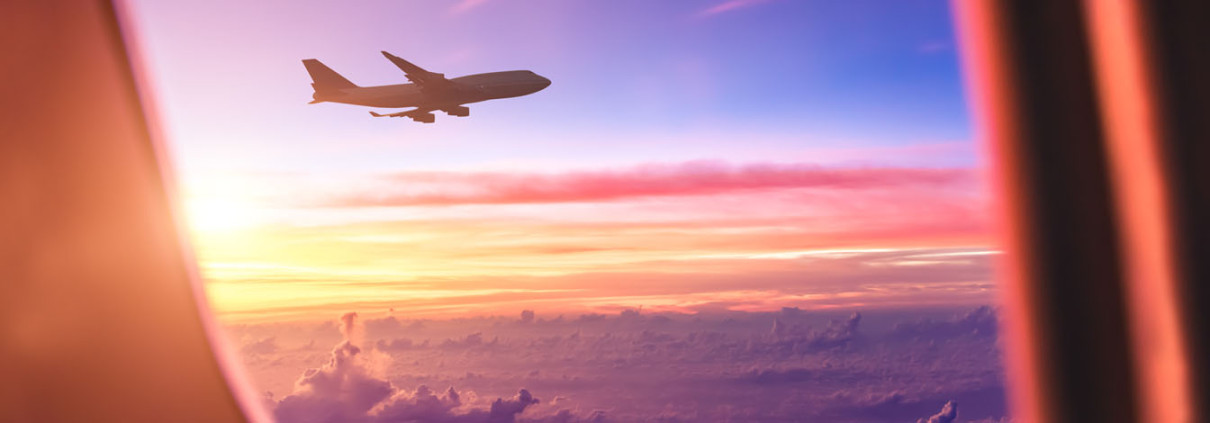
x,y
545,82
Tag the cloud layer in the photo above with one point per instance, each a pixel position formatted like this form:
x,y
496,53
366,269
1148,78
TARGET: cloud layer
x,y
655,180
844,366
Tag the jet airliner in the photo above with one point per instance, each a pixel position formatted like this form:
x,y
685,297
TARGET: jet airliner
x,y
427,92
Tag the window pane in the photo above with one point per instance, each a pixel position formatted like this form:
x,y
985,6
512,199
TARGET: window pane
x,y
735,210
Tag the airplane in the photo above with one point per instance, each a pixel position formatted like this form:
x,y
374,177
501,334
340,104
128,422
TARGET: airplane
x,y
427,92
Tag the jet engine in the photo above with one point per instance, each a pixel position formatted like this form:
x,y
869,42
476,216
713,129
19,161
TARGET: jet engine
x,y
460,111
423,117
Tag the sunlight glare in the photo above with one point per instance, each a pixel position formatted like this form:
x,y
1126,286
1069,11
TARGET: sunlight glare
x,y
209,215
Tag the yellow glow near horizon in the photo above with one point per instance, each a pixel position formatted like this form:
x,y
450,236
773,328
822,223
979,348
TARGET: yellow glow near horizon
x,y
267,253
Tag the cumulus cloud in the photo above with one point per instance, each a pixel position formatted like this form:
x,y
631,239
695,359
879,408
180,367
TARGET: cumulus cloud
x,y
398,344
836,334
262,346
566,416
801,339
948,414
339,391
470,341
1005,419
506,410
978,322
344,390
421,405
383,326
680,179
813,365
347,322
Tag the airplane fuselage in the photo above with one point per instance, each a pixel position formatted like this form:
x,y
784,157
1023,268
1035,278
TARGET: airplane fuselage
x,y
467,89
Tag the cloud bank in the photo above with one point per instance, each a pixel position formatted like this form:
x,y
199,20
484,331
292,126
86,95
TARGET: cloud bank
x,y
851,366
948,414
344,390
655,180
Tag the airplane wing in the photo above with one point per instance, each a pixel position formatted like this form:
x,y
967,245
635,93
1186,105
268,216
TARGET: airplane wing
x,y
419,76
419,114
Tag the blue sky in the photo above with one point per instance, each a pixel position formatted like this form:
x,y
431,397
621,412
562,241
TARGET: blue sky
x,y
634,81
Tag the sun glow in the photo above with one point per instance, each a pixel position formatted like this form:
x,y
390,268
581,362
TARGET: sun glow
x,y
211,215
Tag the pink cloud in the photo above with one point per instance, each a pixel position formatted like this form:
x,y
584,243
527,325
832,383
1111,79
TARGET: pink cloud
x,y
656,180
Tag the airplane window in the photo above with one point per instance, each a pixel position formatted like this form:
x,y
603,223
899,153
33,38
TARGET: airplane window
x,y
707,211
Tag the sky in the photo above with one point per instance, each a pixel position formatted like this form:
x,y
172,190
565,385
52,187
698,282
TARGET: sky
x,y
720,210
713,155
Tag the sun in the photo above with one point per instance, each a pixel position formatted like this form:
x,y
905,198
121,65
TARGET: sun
x,y
214,215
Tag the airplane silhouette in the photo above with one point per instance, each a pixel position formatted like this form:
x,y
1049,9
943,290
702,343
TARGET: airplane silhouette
x,y
429,91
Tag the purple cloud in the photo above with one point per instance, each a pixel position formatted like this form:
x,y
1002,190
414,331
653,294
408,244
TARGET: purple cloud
x,y
978,322
948,414
813,365
343,390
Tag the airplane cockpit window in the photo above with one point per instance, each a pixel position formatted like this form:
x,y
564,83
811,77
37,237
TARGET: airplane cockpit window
x,y
699,211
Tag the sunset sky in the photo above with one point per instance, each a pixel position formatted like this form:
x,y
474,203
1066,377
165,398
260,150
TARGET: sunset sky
x,y
700,155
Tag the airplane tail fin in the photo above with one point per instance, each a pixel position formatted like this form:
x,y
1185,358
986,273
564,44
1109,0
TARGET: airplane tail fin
x,y
324,78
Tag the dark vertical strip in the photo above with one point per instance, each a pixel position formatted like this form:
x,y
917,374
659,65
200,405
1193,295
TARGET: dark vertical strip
x,y
1071,274
1179,44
